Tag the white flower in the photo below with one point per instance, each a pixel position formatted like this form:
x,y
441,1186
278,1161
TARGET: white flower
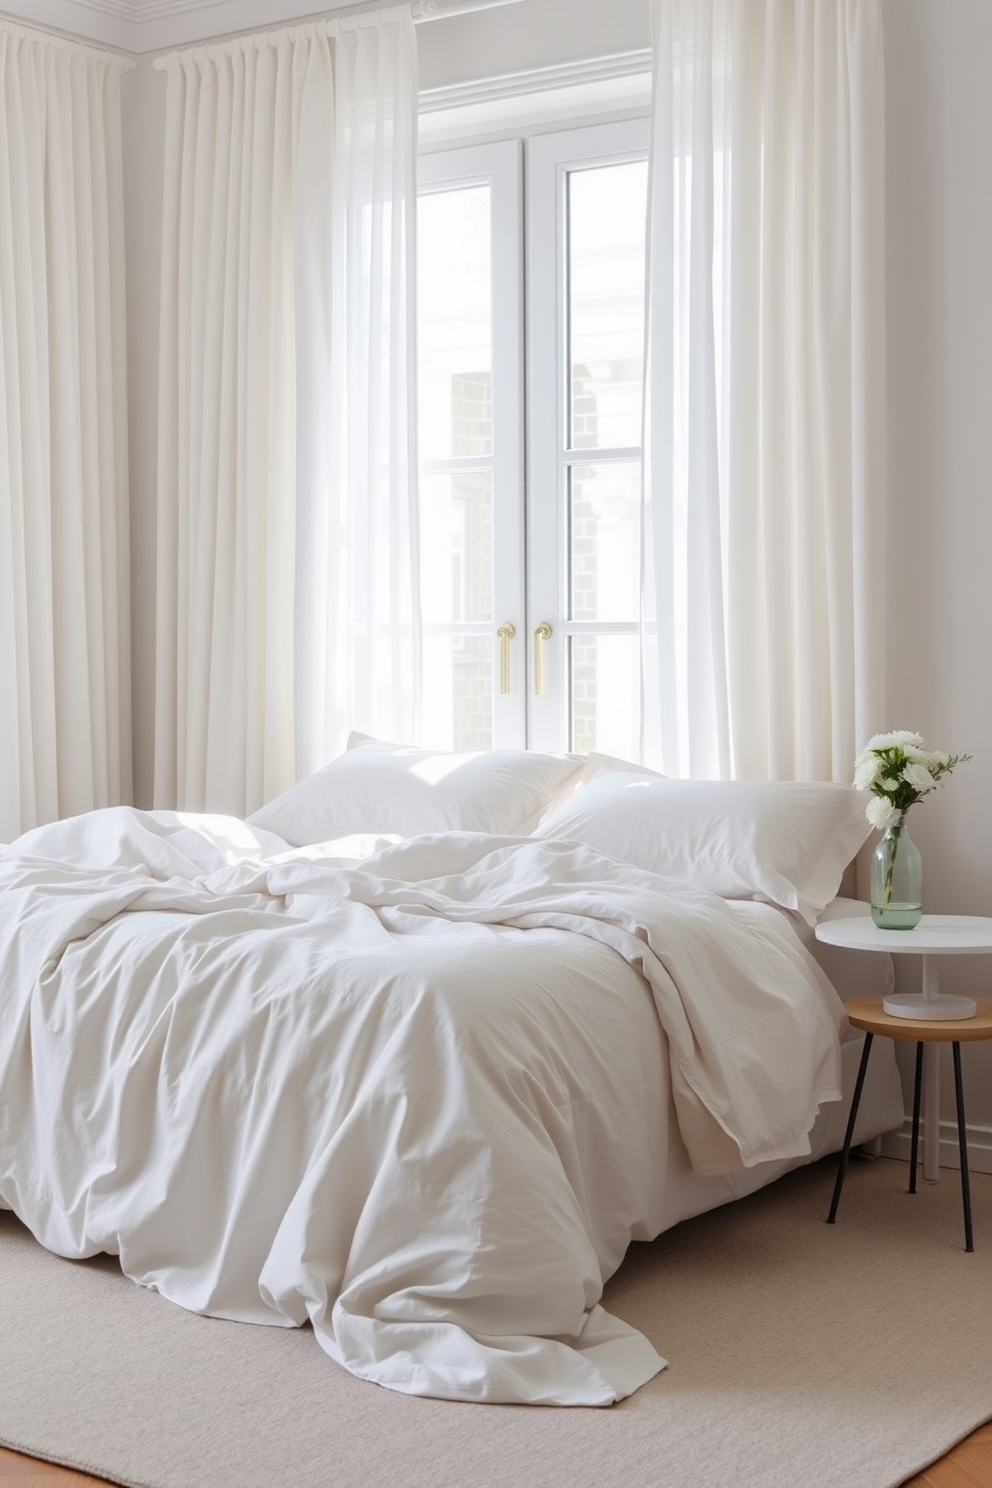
x,y
902,738
899,771
880,811
866,770
919,777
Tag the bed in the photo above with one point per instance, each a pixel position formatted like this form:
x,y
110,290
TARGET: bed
x,y
415,1052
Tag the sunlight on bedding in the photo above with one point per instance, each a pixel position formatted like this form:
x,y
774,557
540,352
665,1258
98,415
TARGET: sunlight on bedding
x,y
436,766
231,836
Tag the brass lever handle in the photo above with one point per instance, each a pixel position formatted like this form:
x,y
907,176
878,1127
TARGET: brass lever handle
x,y
541,634
506,633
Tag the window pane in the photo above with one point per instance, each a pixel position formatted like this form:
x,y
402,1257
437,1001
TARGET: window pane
x,y
604,534
454,323
606,220
458,692
456,554
604,676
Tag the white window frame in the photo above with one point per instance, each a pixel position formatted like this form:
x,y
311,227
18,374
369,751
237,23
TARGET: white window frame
x,y
549,158
529,382
500,165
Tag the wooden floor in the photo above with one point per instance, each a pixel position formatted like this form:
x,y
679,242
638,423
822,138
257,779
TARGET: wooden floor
x,y
27,1471
968,1466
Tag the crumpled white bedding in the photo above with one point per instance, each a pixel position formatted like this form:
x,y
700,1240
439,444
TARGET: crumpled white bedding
x,y
402,1097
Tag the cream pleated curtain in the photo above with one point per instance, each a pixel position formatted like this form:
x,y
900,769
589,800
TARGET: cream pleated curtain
x,y
764,600
286,594
65,712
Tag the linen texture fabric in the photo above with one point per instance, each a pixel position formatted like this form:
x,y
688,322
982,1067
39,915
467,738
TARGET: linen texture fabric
x,y
787,842
421,1100
763,601
65,637
286,587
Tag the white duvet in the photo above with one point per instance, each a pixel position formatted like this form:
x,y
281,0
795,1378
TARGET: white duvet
x,y
408,1098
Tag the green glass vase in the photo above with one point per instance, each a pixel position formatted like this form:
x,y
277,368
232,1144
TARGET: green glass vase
x,y
896,879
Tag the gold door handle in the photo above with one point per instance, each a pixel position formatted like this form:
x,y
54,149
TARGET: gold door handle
x,y
506,633
542,633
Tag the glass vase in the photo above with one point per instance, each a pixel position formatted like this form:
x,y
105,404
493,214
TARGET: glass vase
x,y
896,879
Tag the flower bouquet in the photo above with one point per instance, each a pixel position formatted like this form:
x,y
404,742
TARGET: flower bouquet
x,y
898,770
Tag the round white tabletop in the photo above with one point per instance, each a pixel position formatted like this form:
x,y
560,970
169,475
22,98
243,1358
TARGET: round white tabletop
x,y
944,935
934,936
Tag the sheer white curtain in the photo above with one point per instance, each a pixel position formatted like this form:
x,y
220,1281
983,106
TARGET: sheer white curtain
x,y
65,718
763,605
286,533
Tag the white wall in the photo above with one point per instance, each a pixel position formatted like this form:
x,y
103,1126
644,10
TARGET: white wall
x,y
939,225
938,56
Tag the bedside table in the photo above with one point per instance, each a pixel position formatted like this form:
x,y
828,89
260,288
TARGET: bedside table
x,y
935,936
870,1014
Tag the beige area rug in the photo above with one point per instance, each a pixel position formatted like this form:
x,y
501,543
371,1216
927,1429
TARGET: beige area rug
x,y
801,1355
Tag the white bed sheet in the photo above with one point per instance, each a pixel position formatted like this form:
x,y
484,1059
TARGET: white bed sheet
x,y
881,1109
390,1098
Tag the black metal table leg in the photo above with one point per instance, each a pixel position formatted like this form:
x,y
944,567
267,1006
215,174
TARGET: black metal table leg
x,y
963,1147
914,1150
845,1152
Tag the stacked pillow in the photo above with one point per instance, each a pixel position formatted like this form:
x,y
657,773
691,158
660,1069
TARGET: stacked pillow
x,y
785,842
378,787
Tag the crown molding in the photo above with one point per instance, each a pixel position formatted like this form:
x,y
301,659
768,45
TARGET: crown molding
x,y
537,98
139,26
106,23
586,72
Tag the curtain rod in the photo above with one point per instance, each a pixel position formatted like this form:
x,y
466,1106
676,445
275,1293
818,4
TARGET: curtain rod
x,y
434,10
67,42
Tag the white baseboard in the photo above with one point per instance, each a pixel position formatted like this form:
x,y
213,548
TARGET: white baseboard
x,y
899,1143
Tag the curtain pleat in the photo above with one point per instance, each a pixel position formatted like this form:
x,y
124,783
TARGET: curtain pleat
x,y
287,604
65,719
358,630
763,595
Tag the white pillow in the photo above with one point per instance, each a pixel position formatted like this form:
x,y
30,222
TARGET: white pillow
x,y
381,787
592,764
786,842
